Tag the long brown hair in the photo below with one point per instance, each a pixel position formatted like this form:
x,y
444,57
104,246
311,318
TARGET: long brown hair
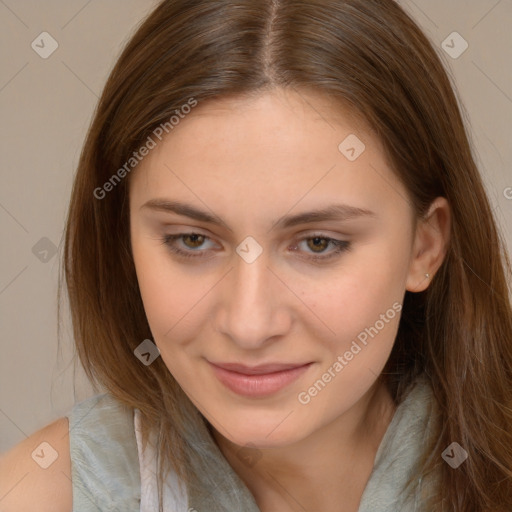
x,y
371,56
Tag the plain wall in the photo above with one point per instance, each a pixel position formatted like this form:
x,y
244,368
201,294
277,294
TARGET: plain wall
x,y
46,106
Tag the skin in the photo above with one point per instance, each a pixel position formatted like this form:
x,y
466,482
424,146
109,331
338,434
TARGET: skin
x,y
250,162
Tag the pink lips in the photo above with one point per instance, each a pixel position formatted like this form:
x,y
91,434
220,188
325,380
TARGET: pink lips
x,y
257,381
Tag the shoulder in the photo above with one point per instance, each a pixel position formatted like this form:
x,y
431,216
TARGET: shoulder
x,y
36,473
85,461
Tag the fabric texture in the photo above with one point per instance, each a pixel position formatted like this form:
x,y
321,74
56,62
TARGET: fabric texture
x,y
398,455
174,498
111,472
104,462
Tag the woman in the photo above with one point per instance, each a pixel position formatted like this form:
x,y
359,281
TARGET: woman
x,y
283,267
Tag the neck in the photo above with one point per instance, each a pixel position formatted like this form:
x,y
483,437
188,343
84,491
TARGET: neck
x,y
324,470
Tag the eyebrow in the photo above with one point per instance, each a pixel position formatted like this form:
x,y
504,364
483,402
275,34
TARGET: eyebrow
x,y
339,212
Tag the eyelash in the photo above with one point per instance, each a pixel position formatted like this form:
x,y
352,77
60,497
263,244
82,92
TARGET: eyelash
x,y
340,246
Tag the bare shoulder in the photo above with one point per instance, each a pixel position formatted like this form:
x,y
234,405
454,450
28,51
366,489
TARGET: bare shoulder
x,y
36,473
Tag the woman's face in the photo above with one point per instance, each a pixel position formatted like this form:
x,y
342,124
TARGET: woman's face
x,y
257,280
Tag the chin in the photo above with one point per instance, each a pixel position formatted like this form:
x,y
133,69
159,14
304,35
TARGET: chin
x,y
264,434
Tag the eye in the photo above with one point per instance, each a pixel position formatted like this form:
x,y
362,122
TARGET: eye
x,y
318,243
190,241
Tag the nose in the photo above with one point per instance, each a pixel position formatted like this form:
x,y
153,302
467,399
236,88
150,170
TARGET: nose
x,y
254,304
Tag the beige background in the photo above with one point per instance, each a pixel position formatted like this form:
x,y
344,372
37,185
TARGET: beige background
x,y
46,105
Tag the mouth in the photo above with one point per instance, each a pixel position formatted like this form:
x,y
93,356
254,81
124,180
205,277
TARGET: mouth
x,y
258,381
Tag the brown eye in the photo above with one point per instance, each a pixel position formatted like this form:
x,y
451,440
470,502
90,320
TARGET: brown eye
x,y
315,248
196,240
318,243
188,245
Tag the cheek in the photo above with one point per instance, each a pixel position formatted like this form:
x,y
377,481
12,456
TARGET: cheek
x,y
362,329
361,289
160,289
151,281
174,298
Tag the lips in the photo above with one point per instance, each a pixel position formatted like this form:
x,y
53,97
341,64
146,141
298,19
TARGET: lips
x,y
258,381
261,369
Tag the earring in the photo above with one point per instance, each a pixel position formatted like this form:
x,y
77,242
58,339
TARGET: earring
x,y
427,275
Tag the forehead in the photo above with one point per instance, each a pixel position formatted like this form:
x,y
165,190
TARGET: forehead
x,y
275,146
287,111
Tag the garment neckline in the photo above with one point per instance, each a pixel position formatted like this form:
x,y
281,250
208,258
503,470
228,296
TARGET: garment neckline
x,y
410,411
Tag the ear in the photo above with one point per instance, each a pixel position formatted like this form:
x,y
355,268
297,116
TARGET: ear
x,y
430,245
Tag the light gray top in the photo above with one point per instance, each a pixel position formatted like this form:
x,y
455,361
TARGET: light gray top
x,y
108,464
